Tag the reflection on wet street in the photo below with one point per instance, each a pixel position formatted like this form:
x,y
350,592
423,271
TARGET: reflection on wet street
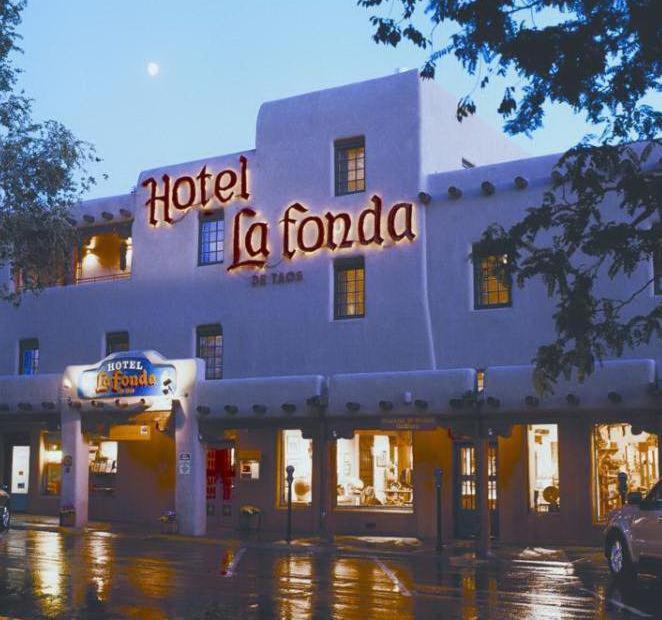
x,y
47,574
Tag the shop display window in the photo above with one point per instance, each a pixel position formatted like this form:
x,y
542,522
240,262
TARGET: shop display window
x,y
375,469
103,466
544,492
617,449
51,472
298,452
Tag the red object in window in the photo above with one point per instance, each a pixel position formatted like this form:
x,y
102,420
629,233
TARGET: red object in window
x,y
211,474
224,466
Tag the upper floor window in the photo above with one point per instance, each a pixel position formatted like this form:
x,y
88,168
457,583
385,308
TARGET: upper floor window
x,y
211,237
349,288
28,359
492,287
350,165
116,342
209,348
104,253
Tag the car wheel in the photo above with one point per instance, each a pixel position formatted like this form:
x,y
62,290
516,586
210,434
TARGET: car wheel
x,y
5,518
620,563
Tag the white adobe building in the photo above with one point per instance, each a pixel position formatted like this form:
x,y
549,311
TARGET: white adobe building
x,y
353,364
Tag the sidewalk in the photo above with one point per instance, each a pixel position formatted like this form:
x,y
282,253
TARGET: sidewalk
x,y
456,552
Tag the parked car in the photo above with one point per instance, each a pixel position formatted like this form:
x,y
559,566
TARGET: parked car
x,y
5,510
633,537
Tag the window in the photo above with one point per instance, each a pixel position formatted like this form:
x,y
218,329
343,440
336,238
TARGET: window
x,y
103,467
543,440
350,165
105,253
211,236
492,289
480,380
210,349
28,360
117,341
51,473
375,469
349,288
617,449
298,452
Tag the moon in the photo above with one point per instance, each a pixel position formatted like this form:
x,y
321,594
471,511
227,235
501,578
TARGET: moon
x,y
153,69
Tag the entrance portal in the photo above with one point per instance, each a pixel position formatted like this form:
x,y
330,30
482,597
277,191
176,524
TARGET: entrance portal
x,y
465,501
220,483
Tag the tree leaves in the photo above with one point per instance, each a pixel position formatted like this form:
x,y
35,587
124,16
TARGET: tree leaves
x,y
42,173
599,220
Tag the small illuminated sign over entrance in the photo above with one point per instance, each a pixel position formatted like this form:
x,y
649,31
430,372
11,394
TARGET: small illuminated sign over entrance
x,y
127,374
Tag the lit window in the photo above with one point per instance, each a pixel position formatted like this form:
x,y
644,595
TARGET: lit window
x,y
51,463
492,289
28,360
543,440
480,380
298,452
350,165
375,469
103,467
210,349
616,449
116,342
211,237
349,288
105,254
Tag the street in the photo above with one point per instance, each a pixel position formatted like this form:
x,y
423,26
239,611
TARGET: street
x,y
49,574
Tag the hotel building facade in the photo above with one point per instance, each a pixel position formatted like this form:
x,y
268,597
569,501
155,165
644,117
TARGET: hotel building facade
x,y
311,303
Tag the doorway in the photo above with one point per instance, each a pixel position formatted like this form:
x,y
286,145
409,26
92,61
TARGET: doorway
x,y
220,485
464,496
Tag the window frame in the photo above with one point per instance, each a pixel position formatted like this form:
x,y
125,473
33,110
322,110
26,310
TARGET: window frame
x,y
281,478
114,337
208,330
340,147
477,257
529,450
25,345
210,217
341,265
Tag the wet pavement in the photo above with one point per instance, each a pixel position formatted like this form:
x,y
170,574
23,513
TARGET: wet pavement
x,y
100,574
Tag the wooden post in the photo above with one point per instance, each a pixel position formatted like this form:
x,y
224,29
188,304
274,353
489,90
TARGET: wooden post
x,y
482,497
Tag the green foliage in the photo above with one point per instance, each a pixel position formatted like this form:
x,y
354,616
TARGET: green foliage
x,y
42,174
600,217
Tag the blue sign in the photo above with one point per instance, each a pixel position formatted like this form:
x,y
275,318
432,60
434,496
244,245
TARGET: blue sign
x,y
127,374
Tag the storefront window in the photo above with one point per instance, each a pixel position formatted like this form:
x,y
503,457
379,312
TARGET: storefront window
x,y
51,463
543,467
298,452
103,466
616,449
375,469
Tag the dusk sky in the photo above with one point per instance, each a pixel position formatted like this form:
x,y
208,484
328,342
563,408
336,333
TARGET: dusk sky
x,y
87,64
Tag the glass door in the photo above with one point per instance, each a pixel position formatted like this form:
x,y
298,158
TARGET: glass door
x,y
465,483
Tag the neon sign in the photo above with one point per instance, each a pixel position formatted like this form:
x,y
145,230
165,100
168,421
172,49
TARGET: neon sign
x,y
301,232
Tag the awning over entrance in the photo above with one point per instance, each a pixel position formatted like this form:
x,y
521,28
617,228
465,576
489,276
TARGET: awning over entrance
x,y
261,398
413,393
616,385
30,394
